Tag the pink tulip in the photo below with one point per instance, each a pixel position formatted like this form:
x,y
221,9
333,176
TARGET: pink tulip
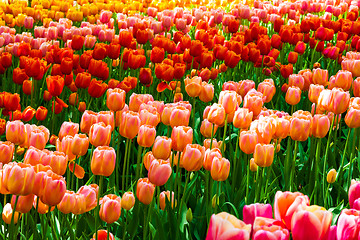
x,y
250,212
268,228
224,226
348,225
312,222
354,192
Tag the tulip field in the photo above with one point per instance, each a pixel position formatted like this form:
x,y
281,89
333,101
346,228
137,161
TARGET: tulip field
x,y
180,119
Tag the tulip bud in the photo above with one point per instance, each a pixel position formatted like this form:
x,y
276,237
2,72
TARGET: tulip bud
x,y
331,176
145,191
189,215
128,201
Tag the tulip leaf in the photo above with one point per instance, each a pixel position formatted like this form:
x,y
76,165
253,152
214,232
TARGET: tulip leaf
x,y
32,225
159,232
133,225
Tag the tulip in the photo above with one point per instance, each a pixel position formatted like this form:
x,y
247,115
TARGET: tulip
x,y
179,116
267,89
55,85
127,201
193,86
300,128
181,136
209,157
293,95
6,152
253,101
87,120
320,125
145,191
339,101
15,132
24,203
102,235
320,76
286,204
207,92
242,118
354,192
7,214
348,225
18,178
41,113
267,228
166,194
149,116
159,172
100,134
37,139
162,147
68,128
312,222
264,154
206,128
103,161
53,189
220,169
110,209
248,141
90,194
192,157
83,80
216,114
80,145
229,101
67,203
57,161
97,88
137,99
226,226
115,99
343,79
146,135
331,176
252,211
314,92
130,124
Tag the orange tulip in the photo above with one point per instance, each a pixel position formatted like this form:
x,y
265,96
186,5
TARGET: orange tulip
x,y
127,201
293,95
242,118
115,99
220,169
206,128
320,125
24,203
110,209
253,101
100,134
6,152
159,172
90,194
146,135
339,101
15,132
149,116
264,154
193,86
137,99
18,178
166,194
67,203
145,191
130,124
229,100
68,128
320,76
192,157
55,85
7,214
282,128
162,147
300,128
80,145
248,140
314,92
207,92
103,161
216,114
179,116
352,117
54,188
181,136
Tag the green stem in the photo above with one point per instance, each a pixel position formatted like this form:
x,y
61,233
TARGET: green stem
x,y
138,161
352,156
212,135
97,209
287,165
341,168
292,174
12,223
225,128
327,153
124,167
247,180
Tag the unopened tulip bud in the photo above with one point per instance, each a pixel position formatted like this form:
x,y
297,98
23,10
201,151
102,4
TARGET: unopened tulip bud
x,y
189,215
331,176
